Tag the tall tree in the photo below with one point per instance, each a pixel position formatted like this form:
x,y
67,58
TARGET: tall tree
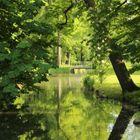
x,y
22,48
102,16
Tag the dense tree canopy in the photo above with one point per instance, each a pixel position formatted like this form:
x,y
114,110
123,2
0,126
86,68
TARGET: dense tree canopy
x,y
32,30
115,25
23,43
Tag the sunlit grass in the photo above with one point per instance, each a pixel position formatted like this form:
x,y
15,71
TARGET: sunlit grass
x,y
111,86
111,79
136,79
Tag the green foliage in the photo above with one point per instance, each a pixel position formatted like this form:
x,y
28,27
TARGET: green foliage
x,y
20,101
75,38
89,83
101,69
24,43
29,38
133,97
115,28
135,67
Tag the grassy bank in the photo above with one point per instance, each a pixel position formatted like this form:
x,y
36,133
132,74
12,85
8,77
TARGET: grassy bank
x,y
61,70
110,85
112,89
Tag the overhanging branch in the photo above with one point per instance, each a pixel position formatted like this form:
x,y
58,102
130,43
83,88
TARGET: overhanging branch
x,y
65,13
121,5
111,15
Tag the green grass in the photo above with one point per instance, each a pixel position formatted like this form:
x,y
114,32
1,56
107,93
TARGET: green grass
x,y
112,89
128,65
110,86
61,70
112,79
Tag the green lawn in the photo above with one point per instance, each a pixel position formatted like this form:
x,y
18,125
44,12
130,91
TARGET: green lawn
x,y
112,79
112,89
110,86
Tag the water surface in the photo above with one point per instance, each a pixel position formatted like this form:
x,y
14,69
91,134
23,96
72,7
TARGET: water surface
x,y
62,111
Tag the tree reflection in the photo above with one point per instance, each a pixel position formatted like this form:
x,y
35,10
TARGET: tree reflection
x,y
26,126
121,123
58,94
61,113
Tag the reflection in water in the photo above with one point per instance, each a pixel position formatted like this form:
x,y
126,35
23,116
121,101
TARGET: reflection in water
x,y
61,112
122,122
27,127
58,93
132,132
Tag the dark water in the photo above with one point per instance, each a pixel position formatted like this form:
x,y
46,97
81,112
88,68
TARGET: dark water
x,y
61,111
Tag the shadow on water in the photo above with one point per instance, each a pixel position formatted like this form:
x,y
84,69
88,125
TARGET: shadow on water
x,y
62,112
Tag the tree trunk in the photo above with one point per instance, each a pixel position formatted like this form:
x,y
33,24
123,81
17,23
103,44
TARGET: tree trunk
x,y
81,56
122,73
68,58
59,51
120,69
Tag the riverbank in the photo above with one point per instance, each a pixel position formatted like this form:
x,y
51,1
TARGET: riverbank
x,y
112,89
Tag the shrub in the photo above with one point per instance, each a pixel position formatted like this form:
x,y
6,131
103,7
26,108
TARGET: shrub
x,y
89,83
